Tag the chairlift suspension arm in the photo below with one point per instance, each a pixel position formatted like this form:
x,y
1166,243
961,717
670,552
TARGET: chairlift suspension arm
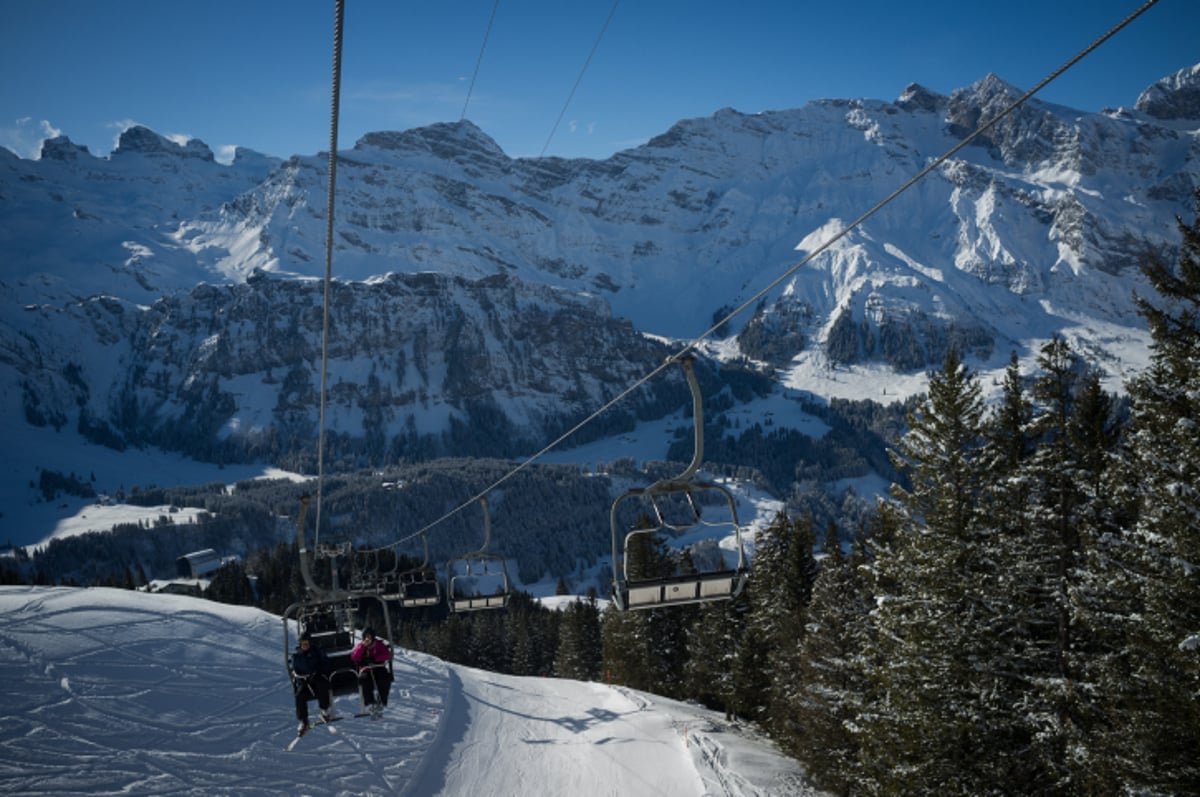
x,y
487,527
688,363
302,544
315,591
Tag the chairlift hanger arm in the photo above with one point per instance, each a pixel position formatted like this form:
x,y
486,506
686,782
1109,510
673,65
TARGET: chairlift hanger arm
x,y
688,363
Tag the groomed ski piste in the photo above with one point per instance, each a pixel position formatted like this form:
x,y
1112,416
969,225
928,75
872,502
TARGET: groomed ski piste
x,y
108,691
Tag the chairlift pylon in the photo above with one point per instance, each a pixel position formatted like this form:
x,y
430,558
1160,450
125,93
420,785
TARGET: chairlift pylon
x,y
638,591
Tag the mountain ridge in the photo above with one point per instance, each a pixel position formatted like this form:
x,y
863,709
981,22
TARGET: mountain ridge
x,y
159,297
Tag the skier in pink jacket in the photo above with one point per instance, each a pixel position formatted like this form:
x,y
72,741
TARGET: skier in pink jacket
x,y
371,656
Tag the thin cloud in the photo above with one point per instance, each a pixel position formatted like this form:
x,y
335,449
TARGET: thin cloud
x,y
25,136
381,105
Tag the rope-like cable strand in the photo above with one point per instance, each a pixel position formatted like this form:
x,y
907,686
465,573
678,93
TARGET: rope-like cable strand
x,y
579,79
335,102
479,60
792,270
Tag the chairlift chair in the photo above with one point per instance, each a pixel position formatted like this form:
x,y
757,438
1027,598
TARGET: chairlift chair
x,y
416,587
638,591
329,615
466,574
366,570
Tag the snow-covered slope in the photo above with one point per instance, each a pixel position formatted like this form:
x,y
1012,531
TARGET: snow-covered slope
x,y
114,692
73,225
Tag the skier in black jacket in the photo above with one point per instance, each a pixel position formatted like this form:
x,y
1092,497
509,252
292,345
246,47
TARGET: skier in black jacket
x,y
310,678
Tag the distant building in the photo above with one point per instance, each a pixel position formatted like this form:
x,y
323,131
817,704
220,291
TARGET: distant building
x,y
198,564
194,587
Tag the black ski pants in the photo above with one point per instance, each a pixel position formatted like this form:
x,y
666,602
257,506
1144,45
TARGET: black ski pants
x,y
372,679
307,687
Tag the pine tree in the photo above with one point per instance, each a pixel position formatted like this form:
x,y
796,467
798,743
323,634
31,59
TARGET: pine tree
x,y
1047,567
230,585
1009,446
936,608
531,634
832,688
779,589
578,653
1104,603
784,591
712,646
751,677
1166,445
487,642
623,639
646,649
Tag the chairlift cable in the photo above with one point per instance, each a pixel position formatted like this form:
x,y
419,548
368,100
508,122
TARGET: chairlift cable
x,y
479,60
335,102
695,342
579,79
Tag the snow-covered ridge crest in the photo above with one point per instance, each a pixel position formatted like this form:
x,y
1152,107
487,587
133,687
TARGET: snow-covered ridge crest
x,y
729,196
1176,96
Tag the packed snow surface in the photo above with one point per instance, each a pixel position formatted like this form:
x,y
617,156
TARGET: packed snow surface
x,y
119,692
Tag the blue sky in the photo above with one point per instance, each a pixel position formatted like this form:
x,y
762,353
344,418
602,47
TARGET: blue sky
x,y
256,73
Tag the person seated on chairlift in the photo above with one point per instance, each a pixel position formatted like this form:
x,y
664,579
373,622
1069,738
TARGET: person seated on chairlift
x,y
310,670
371,656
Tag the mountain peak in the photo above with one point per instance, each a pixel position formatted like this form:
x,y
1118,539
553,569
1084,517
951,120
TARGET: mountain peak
x,y
1176,96
443,139
916,97
61,148
144,140
250,157
991,87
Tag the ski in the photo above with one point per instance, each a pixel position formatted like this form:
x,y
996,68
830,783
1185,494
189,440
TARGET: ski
x,y
326,722
374,714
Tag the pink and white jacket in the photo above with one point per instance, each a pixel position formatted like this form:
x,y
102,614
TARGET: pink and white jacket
x,y
365,655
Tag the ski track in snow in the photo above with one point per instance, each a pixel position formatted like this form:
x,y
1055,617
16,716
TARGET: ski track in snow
x,y
112,692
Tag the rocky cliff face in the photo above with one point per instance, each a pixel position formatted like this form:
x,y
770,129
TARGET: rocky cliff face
x,y
419,365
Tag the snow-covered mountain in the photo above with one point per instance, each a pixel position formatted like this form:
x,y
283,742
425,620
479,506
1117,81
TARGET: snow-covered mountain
x,y
74,226
108,691
485,303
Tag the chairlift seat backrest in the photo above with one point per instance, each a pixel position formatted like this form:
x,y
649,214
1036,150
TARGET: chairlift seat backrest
x,y
678,590
331,640
475,602
343,675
